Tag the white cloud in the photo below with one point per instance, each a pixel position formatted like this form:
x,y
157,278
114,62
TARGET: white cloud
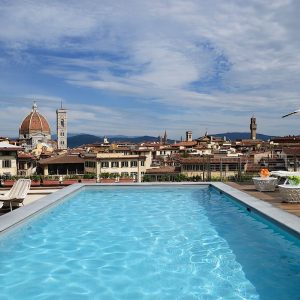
x,y
214,60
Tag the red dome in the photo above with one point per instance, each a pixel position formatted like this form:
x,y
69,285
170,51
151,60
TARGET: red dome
x,y
34,123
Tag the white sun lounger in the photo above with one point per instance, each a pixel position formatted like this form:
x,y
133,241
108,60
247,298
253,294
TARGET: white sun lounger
x,y
17,193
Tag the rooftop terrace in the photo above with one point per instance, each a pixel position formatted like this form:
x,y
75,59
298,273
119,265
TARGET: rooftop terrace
x,y
273,198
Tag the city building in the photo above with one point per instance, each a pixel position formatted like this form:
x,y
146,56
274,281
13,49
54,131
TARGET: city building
x,y
9,159
117,165
62,165
34,129
208,167
162,174
26,164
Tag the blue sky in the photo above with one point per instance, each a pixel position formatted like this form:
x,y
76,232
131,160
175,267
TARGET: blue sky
x,y
140,67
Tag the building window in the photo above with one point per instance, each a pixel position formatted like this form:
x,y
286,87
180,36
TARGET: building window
x,y
133,175
133,163
104,164
6,163
142,163
90,164
124,164
115,164
22,165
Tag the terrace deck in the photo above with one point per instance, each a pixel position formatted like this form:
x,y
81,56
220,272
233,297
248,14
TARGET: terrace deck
x,y
273,198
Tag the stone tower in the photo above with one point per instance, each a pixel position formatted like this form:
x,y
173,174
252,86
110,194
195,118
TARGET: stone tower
x,y
62,129
165,138
188,136
253,128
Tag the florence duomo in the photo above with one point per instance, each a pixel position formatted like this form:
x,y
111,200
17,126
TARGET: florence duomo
x,y
35,130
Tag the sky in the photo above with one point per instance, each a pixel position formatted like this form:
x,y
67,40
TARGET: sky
x,y
141,67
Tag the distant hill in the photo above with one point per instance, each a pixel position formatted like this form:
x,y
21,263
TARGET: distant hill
x,y
82,138
242,135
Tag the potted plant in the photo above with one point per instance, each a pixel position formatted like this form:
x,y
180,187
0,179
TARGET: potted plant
x,y
88,178
107,178
8,181
294,180
51,181
264,173
35,180
68,180
125,178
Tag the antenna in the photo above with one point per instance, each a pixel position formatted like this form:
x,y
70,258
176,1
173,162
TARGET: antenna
x,y
61,104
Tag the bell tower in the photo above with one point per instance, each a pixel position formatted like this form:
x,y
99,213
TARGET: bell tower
x,y
253,128
62,129
189,136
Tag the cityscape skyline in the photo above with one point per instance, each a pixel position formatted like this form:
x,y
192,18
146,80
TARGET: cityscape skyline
x,y
140,68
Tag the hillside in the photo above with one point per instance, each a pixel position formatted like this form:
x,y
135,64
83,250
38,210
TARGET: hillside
x,y
242,135
81,139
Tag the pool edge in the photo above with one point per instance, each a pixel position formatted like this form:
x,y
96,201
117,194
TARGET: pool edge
x,y
279,217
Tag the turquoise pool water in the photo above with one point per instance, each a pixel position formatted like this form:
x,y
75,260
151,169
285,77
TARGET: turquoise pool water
x,y
149,243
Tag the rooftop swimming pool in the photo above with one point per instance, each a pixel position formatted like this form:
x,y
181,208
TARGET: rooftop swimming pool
x,y
162,242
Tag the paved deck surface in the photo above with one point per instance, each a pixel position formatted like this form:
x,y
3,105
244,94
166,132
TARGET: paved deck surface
x,y
33,195
272,197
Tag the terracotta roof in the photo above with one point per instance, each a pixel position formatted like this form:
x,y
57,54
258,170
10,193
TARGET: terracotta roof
x,y
140,150
163,170
186,143
197,160
34,122
291,138
121,157
201,148
26,155
292,151
249,142
120,149
62,159
168,148
151,145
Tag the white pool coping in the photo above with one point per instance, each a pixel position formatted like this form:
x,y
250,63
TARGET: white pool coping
x,y
289,222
